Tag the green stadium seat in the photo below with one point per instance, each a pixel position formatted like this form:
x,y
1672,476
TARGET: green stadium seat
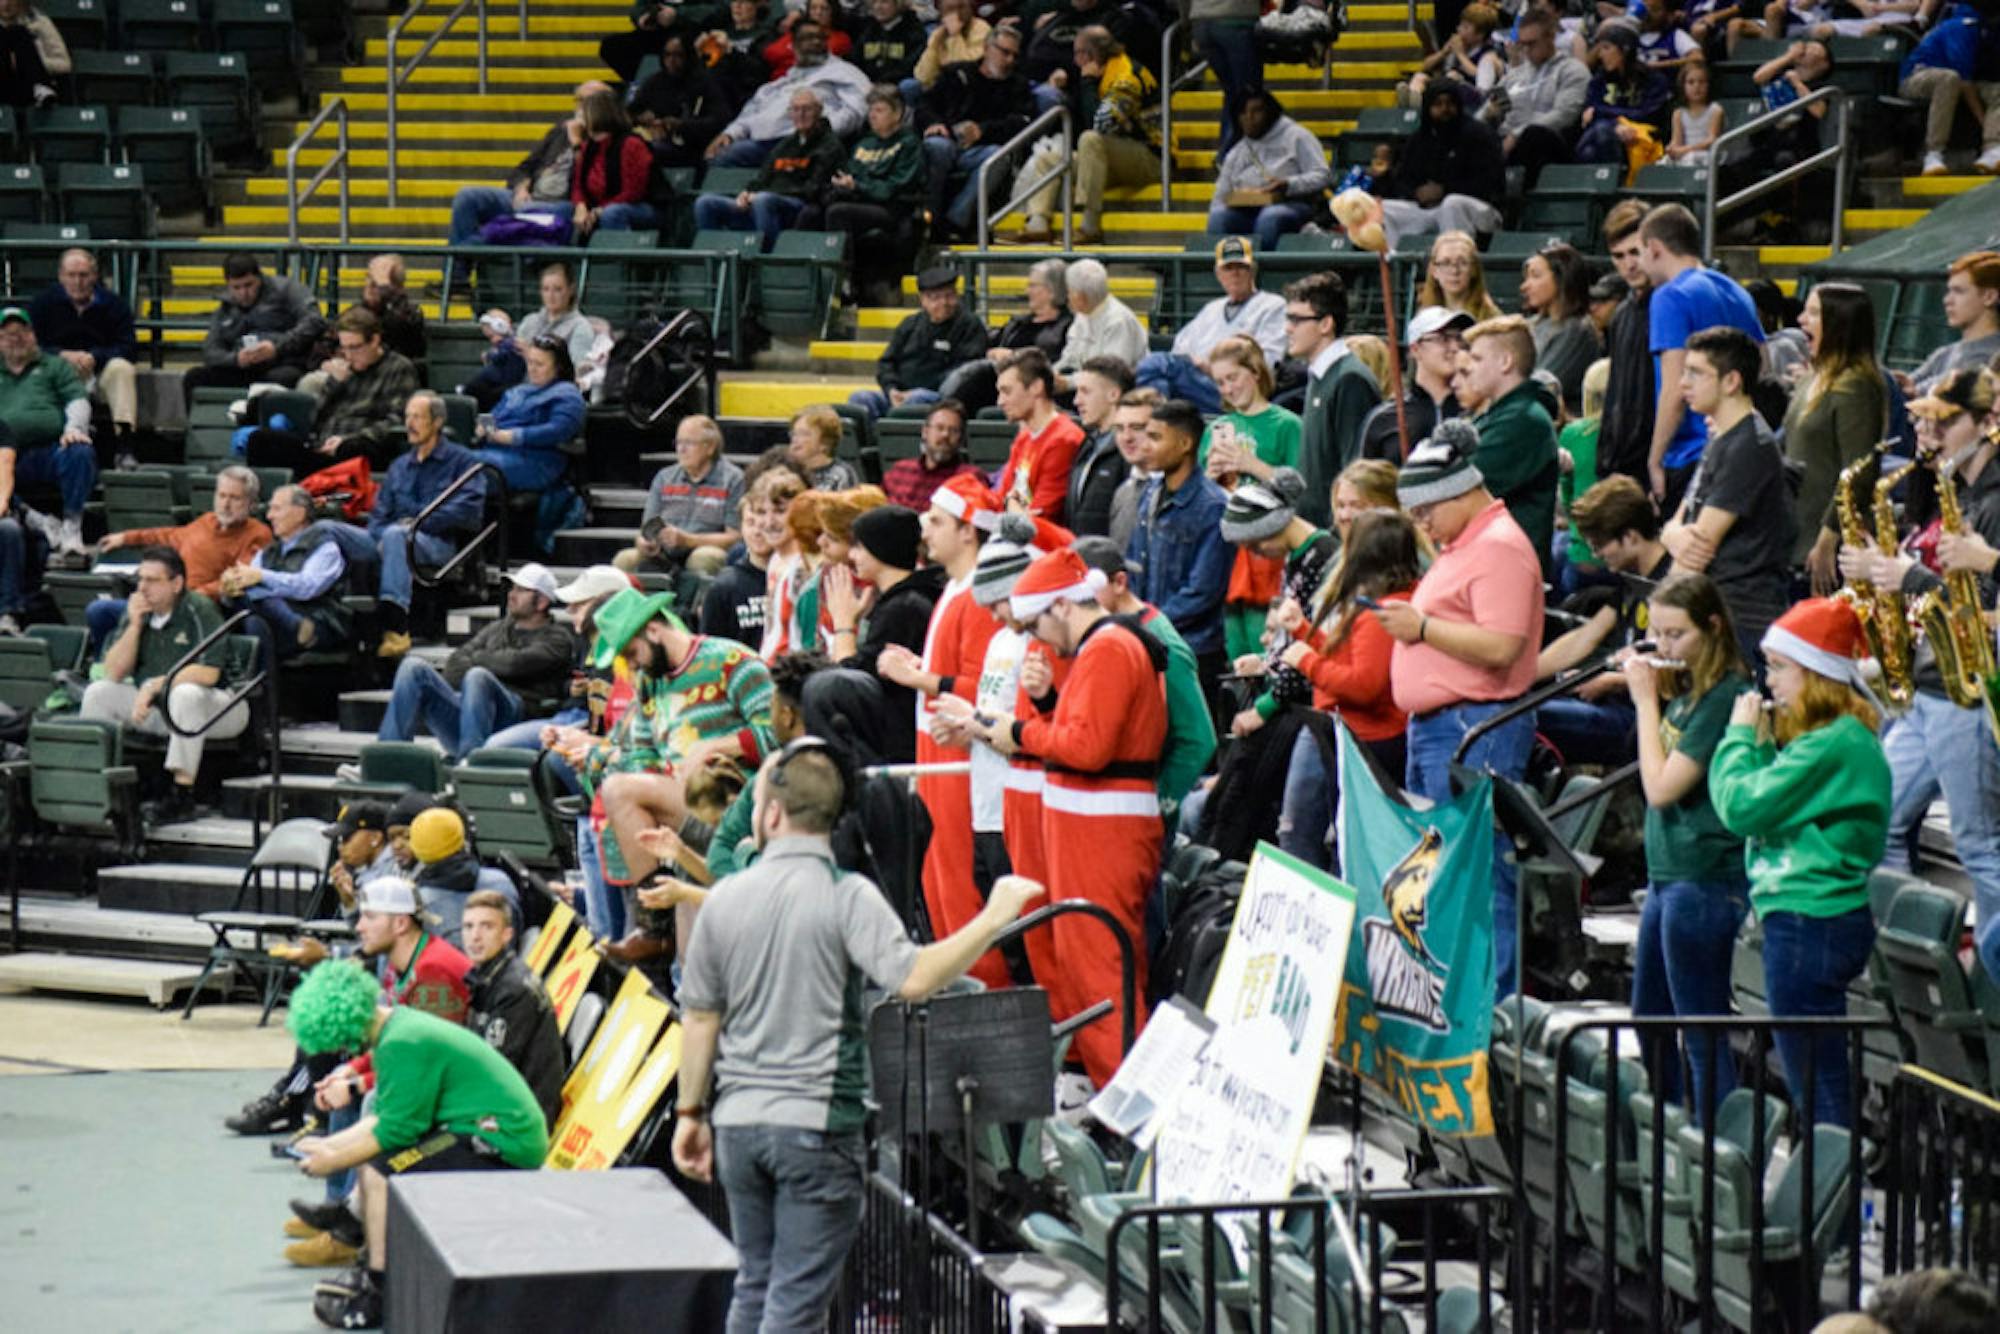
x,y
10,133
727,180
160,25
391,768
21,193
29,271
497,790
110,200
266,33
899,438
694,285
114,78
1918,326
1869,67
29,662
1669,183
167,143
217,87
1571,198
144,498
84,24
1734,77
1918,947
798,280
617,289
987,443
66,135
79,780
452,354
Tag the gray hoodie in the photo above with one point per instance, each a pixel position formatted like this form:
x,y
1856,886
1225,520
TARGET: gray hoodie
x,y
1550,94
1288,152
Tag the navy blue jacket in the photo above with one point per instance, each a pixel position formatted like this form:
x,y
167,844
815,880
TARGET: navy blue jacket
x,y
411,484
103,328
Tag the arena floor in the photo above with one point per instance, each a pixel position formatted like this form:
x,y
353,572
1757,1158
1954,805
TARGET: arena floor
x,y
124,1204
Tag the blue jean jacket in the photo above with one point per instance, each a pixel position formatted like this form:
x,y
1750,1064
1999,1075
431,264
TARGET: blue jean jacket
x,y
1183,560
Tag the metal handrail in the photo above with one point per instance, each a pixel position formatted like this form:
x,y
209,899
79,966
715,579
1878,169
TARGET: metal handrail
x,y
243,692
444,571
397,77
685,322
1066,170
337,108
1836,154
1168,84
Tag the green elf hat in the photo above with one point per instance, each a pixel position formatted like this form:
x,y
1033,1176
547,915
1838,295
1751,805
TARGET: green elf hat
x,y
620,620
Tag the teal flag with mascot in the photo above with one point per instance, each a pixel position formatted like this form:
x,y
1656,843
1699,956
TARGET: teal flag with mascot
x,y
1416,1006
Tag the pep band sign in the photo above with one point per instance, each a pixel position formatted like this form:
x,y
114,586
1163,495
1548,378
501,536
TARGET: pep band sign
x,y
1416,1006
1236,1127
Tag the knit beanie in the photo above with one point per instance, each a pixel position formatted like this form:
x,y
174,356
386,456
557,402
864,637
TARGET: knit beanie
x,y
1440,468
437,834
1060,576
1260,509
1002,560
891,534
1824,635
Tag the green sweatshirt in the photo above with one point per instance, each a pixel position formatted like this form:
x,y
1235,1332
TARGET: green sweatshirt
x,y
1815,815
1517,457
888,171
1190,730
431,1074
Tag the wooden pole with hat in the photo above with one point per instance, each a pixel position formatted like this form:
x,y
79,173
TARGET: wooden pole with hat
x,y
1361,214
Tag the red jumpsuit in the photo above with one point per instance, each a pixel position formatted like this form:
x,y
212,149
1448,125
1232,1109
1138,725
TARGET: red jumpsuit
x,y
955,649
1101,823
1021,822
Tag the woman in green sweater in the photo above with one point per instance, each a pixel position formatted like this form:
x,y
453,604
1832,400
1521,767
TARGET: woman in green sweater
x,y
1697,893
879,190
1812,801
1249,443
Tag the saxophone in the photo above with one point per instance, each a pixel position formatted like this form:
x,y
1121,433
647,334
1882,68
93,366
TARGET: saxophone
x,y
1858,594
1892,618
1953,618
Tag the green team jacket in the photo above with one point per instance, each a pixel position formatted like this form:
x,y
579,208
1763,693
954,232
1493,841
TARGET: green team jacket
x,y
1815,815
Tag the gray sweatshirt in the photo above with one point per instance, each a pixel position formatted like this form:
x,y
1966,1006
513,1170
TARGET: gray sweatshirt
x,y
1288,152
1549,94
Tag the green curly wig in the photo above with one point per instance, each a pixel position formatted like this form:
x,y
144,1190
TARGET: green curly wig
x,y
333,1007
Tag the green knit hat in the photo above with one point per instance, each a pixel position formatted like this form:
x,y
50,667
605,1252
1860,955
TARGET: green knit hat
x,y
620,620
1257,510
1441,467
333,1007
1002,559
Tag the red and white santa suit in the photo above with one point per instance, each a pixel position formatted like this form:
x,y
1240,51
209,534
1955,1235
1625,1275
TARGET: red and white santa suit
x,y
955,651
1099,737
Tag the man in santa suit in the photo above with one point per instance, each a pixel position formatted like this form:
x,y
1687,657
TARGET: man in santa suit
x,y
1099,738
954,652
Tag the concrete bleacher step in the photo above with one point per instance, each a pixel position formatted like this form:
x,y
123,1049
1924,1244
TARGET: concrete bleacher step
x,y
314,795
592,546
216,840
318,747
362,710
95,975
85,926
461,624
185,888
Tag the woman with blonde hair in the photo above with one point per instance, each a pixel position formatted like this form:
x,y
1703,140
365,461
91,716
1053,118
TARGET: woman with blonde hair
x,y
1455,279
815,440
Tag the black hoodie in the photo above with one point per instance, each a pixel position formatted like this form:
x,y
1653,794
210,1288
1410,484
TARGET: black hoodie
x,y
1463,155
511,1010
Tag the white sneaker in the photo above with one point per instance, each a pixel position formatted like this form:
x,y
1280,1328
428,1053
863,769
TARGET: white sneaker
x,y
70,535
1934,165
1073,1095
348,773
47,525
9,627
1988,163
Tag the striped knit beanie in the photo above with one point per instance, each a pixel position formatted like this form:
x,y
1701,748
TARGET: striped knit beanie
x,y
1441,467
1002,560
1258,510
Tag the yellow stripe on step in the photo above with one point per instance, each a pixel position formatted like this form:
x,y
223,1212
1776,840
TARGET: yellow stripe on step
x,y
411,190
489,134
492,104
783,398
1296,100
564,77
500,159
271,215
455,48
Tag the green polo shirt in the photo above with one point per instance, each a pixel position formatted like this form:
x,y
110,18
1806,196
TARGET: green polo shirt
x,y
32,400
192,620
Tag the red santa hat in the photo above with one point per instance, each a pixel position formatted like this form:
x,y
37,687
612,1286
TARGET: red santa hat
x,y
1824,635
966,498
1060,576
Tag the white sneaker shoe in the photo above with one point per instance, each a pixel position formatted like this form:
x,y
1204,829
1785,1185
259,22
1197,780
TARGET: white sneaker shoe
x,y
1934,165
1988,163
9,627
47,525
348,773
1073,1095
70,535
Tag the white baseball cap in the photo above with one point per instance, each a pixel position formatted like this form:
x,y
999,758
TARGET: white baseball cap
x,y
1435,319
537,577
389,894
596,582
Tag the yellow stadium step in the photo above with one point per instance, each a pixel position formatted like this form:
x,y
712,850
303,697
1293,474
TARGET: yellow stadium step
x,y
1375,14
1185,192
1202,125
467,48
1125,287
1942,187
435,220
539,25
834,349
1344,71
783,398
199,277
1029,253
411,190
491,134
500,159
565,77
1883,219
1296,101
883,319
273,237
493,104
1792,254
200,307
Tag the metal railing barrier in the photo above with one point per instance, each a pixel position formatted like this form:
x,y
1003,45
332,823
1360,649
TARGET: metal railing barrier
x,y
1836,154
339,162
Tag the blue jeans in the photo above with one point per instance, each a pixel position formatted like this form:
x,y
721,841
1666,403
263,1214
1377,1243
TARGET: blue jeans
x,y
1177,377
341,1184
1687,933
1936,748
745,153
100,617
1230,48
1504,750
397,581
279,616
767,215
875,402
794,1208
947,162
627,218
1266,224
70,468
603,906
525,469
1808,964
1591,731
1307,813
460,719
528,736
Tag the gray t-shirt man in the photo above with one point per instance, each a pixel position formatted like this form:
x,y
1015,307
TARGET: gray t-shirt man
x,y
779,950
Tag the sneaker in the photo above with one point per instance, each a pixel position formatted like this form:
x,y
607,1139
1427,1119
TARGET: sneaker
x,y
1988,163
1934,165
349,1303
271,1114
9,626
127,461
322,1250
299,1231
395,643
1073,1094
47,525
348,773
332,1217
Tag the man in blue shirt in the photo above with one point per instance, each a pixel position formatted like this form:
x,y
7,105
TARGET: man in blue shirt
x,y
295,584
1687,298
1178,545
1958,61
415,480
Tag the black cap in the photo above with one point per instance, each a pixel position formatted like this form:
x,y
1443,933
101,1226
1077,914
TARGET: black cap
x,y
1610,287
356,816
935,276
408,807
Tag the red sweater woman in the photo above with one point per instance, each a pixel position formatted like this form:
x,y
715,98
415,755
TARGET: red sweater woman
x,y
608,184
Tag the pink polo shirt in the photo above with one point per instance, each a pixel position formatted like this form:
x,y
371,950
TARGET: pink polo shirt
x,y
1487,576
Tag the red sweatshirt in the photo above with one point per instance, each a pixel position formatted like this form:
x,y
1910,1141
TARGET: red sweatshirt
x,y
1353,679
1040,464
587,177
